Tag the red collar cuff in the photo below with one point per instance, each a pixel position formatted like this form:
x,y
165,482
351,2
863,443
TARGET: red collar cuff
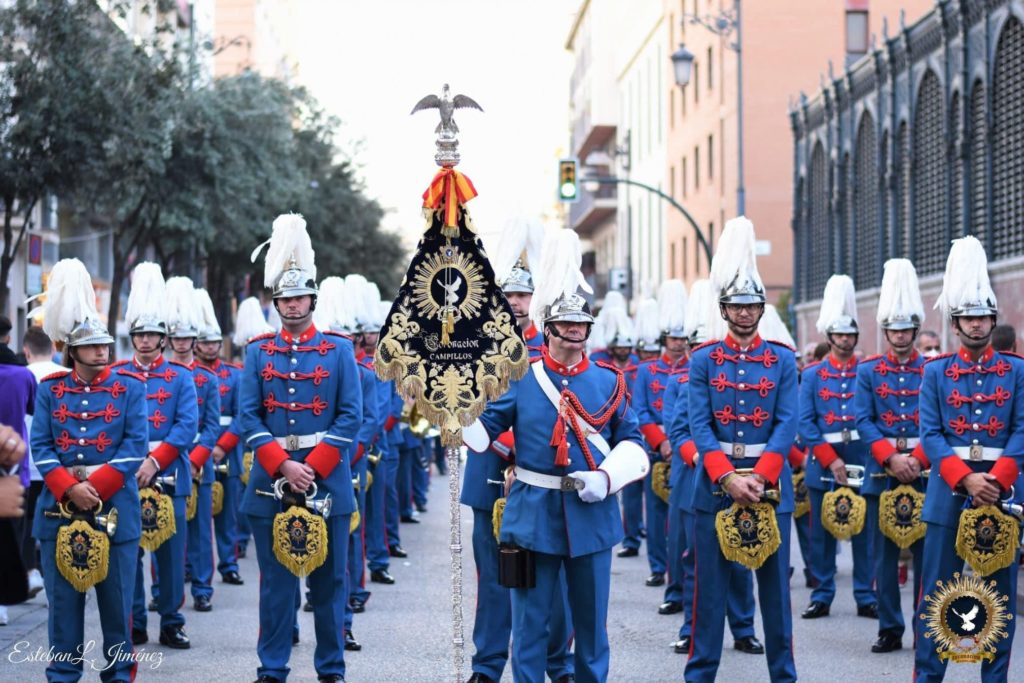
x,y
302,338
849,365
985,357
555,366
99,379
734,345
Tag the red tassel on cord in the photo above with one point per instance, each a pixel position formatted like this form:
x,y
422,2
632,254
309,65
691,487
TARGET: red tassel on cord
x,y
558,438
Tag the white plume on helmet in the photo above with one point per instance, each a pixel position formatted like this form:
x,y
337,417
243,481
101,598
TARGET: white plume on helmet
x,y
333,309
355,288
734,266
70,300
148,296
838,302
290,247
648,331
966,284
249,322
771,327
558,275
618,328
900,295
672,302
182,309
701,312
614,299
207,316
521,234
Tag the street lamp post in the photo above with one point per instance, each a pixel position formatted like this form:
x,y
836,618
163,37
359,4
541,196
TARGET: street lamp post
x,y
722,25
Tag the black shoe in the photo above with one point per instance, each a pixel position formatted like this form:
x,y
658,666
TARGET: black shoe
x,y
888,642
351,644
815,610
188,577
478,677
655,580
381,576
396,551
308,607
750,645
139,637
152,605
295,637
174,637
240,553
409,519
670,607
642,533
358,606
202,604
682,646
233,578
268,679
567,678
331,678
421,508
869,611
628,552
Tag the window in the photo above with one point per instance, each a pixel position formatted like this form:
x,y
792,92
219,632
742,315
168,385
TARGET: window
x,y
685,249
930,196
856,32
695,78
696,168
1007,131
867,250
682,102
711,236
672,109
672,182
672,260
711,70
711,157
683,177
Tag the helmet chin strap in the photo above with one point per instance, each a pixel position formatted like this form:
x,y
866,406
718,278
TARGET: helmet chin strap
x,y
553,331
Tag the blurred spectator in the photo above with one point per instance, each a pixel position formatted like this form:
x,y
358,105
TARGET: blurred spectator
x,y
928,344
1004,338
38,350
16,402
820,351
807,357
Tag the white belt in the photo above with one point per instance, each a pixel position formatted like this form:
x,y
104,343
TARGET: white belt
x,y
153,445
978,453
226,420
844,436
742,450
82,472
296,442
547,481
903,443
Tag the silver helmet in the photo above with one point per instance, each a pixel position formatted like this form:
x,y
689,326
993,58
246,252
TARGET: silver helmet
x,y
88,332
519,280
147,300
68,313
734,267
838,313
571,308
209,328
966,288
290,266
183,315
558,281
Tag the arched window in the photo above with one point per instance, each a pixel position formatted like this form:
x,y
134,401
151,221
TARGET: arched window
x,y
956,166
1007,134
819,260
978,136
867,255
902,197
929,178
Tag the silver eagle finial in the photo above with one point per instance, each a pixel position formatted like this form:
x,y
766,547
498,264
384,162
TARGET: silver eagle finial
x,y
447,131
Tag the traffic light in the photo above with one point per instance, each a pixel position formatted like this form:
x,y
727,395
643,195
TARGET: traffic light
x,y
568,189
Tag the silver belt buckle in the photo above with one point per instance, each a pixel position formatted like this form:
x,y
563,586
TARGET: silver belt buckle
x,y
80,472
845,435
739,451
291,442
976,452
901,443
570,484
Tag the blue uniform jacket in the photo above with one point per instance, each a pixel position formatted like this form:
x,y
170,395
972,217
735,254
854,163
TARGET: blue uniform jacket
x,y
547,520
172,416
746,397
828,407
964,403
79,424
652,378
229,378
677,423
301,386
887,406
208,402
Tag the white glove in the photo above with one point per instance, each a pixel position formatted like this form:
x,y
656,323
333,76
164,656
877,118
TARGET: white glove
x,y
595,486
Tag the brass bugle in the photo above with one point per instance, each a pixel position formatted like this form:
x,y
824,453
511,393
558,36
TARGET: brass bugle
x,y
854,476
769,495
107,522
321,507
923,474
221,467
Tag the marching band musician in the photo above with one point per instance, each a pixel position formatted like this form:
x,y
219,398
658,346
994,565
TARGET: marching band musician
x,y
972,429
828,427
186,320
604,325
576,444
172,419
301,409
741,405
484,483
887,419
652,377
226,451
88,439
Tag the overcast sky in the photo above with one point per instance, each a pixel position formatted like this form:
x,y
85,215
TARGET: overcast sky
x,y
370,62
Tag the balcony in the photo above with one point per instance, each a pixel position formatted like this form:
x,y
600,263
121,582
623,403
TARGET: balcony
x,y
593,209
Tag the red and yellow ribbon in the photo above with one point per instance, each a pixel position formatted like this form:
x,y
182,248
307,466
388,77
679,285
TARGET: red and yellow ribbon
x,y
452,188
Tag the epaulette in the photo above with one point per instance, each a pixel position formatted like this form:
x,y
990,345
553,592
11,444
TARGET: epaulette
x,y
336,334
205,369
871,358
940,356
782,344
265,335
812,364
179,363
55,375
709,342
1014,354
124,372
607,366
236,366
119,363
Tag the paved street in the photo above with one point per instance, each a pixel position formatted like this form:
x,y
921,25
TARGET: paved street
x,y
405,630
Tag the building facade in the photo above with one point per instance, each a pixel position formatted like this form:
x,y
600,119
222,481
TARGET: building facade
x,y
918,143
